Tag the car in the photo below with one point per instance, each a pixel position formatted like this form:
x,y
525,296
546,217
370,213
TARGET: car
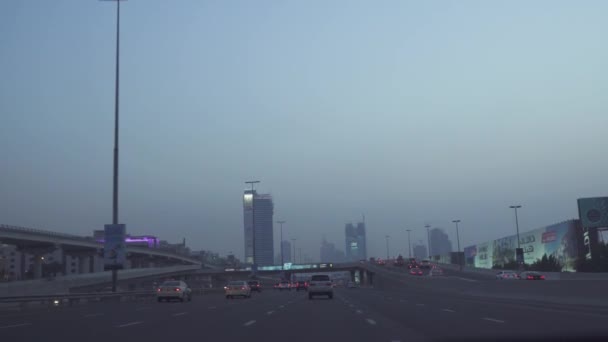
x,y
436,271
173,289
381,262
416,271
507,275
529,275
301,285
412,265
284,285
351,285
320,285
238,288
425,264
255,285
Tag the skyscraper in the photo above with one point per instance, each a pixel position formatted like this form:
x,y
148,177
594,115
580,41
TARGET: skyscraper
x,y
261,207
355,243
329,253
440,244
287,252
420,251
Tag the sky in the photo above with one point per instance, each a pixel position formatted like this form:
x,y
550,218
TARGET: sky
x,y
410,112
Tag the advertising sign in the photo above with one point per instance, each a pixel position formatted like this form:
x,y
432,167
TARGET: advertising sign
x,y
114,250
593,212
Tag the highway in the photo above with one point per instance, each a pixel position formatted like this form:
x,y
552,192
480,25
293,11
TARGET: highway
x,y
406,308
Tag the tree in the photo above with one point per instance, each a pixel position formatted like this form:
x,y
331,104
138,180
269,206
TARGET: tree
x,y
546,264
599,263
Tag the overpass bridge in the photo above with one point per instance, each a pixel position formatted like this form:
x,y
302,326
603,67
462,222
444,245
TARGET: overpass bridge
x,y
37,243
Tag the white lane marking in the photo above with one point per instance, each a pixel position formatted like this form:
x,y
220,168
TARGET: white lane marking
x,y
93,315
359,311
371,321
389,298
352,306
403,301
248,323
467,279
281,306
448,310
269,312
419,304
129,324
179,314
211,307
142,309
493,320
15,325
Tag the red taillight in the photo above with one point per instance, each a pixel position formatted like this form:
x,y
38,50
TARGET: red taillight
x,y
530,277
177,289
242,288
158,289
542,277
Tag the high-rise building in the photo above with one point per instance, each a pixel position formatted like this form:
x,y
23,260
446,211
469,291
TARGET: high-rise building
x,y
420,251
440,243
261,207
355,242
329,253
287,252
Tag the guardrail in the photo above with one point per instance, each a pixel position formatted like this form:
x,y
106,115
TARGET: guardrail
x,y
57,300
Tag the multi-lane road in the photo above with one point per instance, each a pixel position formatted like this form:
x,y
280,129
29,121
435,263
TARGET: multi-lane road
x,y
400,308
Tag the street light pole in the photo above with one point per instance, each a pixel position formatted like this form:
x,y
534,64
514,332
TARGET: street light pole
x,y
409,243
458,239
294,250
515,207
281,245
253,220
116,107
428,237
387,253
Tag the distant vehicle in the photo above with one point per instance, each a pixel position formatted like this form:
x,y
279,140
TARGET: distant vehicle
x,y
284,285
399,262
436,271
381,262
425,263
174,289
237,289
529,275
412,260
301,285
320,285
416,271
372,260
255,285
351,285
507,275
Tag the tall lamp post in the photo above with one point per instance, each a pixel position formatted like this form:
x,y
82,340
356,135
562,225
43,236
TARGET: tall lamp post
x,y
409,243
458,240
293,242
281,245
515,207
428,237
253,221
387,253
116,107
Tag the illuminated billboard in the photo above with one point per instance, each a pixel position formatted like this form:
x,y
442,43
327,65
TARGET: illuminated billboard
x,y
593,212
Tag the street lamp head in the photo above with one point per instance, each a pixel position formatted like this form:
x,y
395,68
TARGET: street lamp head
x,y
252,182
456,221
281,222
515,206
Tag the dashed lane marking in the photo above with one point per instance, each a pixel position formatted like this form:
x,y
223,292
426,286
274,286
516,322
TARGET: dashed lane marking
x,y
493,320
93,315
249,323
269,312
419,304
129,324
179,314
371,321
448,310
359,311
15,325
212,307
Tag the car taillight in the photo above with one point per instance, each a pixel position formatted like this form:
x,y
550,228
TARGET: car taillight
x,y
242,288
158,289
542,277
177,289
529,277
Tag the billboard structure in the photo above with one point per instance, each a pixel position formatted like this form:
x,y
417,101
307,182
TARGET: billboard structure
x,y
558,240
593,213
114,250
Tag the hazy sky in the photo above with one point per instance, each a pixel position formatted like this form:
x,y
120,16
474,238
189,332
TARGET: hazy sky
x,y
411,112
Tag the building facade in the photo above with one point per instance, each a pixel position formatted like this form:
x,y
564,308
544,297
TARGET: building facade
x,y
330,254
258,212
420,251
440,243
355,242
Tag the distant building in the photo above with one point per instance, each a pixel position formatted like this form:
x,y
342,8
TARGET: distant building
x,y
420,252
440,243
261,207
329,253
355,242
287,252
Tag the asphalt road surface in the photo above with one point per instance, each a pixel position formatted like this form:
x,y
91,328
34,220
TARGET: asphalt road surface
x,y
409,310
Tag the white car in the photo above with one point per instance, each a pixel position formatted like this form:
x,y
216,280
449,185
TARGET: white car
x,y
237,289
320,285
507,275
425,263
174,289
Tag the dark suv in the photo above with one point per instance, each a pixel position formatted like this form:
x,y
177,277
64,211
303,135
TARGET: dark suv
x,y
302,285
255,285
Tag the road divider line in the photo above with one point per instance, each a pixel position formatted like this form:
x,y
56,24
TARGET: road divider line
x,y
129,324
419,304
15,325
281,306
403,301
143,308
249,323
179,314
371,321
269,312
359,311
93,315
493,320
211,307
448,310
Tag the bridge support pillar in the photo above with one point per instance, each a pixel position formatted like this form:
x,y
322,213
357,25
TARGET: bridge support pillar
x,y
37,267
84,263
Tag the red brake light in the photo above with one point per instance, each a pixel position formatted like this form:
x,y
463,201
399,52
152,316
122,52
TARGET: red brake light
x,y
529,277
158,289
542,277
177,289
242,288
